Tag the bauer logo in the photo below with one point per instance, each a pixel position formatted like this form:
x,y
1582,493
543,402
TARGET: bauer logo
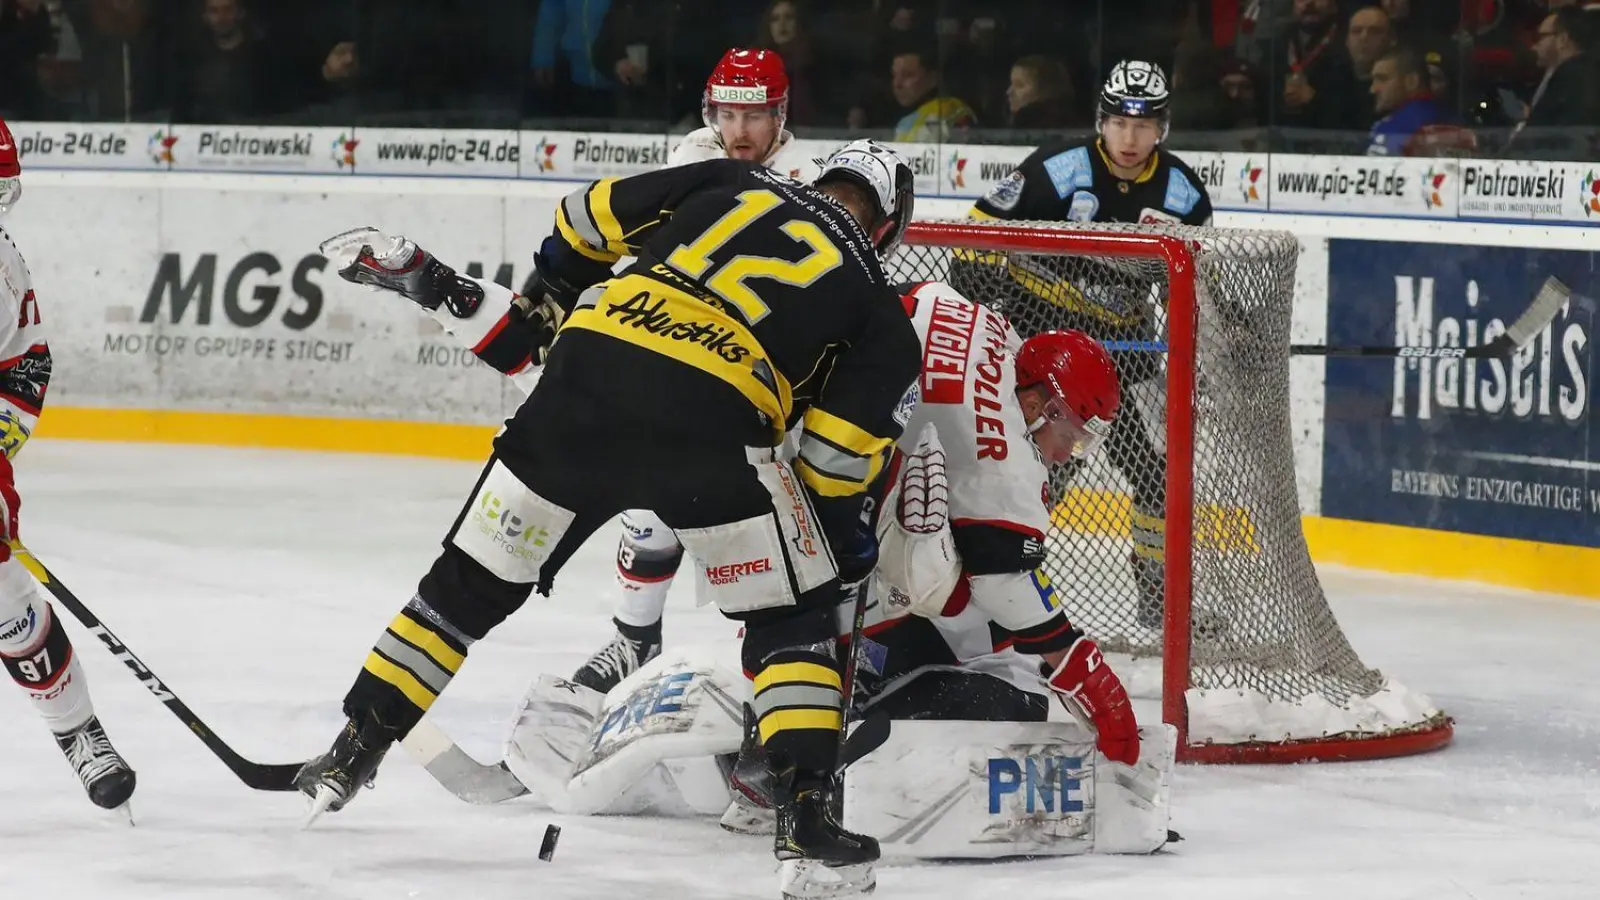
x,y
1036,785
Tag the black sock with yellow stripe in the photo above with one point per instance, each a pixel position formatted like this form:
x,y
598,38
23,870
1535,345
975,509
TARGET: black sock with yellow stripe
x,y
799,707
408,668
1149,529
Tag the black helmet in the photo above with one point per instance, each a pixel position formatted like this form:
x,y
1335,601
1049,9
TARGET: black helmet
x,y
1136,89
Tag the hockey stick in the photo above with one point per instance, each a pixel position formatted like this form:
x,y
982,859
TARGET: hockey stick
x,y
484,783
1553,294
456,771
260,776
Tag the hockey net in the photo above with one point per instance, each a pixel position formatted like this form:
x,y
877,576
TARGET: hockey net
x,y
1252,667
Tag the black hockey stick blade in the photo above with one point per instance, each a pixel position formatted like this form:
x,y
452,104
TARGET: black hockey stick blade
x,y
867,737
259,776
1553,294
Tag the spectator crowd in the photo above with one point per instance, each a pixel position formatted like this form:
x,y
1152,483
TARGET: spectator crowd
x,y
1488,77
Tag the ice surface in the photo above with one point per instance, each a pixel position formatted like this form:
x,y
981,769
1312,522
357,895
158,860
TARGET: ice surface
x,y
254,582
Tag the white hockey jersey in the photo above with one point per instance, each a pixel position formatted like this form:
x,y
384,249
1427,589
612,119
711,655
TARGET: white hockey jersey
x,y
24,352
999,508
786,158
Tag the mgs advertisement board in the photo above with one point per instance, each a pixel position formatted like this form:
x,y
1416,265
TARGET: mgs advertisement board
x,y
223,303
1505,449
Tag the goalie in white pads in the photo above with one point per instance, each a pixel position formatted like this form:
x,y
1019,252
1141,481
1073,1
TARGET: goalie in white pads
x,y
34,646
959,617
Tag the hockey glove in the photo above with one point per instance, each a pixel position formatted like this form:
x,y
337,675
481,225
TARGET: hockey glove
x,y
1084,679
918,564
541,318
369,257
10,504
856,555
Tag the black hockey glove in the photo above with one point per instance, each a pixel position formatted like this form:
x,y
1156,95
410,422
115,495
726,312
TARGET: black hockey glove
x,y
856,554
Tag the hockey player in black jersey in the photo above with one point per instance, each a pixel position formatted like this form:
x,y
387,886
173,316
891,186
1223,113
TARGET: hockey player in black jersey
x,y
1122,175
755,303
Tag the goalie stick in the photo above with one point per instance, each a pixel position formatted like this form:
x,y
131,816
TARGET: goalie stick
x,y
1553,294
259,776
485,783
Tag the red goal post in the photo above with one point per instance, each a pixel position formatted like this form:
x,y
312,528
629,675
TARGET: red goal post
x,y
1253,667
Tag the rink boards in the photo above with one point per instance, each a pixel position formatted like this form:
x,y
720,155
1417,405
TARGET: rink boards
x,y
195,308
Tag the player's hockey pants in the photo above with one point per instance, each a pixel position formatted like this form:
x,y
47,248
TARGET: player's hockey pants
x,y
572,462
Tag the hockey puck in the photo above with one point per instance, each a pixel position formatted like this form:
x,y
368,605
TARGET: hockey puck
x,y
547,849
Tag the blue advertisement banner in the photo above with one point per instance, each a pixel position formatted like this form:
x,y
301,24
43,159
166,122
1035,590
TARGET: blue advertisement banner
x,y
1504,449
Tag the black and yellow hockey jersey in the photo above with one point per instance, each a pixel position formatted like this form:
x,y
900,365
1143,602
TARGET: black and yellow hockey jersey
x,y
1072,182
769,295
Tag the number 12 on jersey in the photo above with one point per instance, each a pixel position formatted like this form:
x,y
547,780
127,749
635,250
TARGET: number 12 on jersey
x,y
728,280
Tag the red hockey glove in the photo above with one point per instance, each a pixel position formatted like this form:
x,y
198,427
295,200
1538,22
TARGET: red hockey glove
x,y
10,503
1089,682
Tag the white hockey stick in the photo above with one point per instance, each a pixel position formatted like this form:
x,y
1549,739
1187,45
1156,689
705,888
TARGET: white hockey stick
x,y
459,773
485,783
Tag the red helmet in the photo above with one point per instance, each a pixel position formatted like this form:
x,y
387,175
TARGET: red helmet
x,y
747,78
10,169
1083,389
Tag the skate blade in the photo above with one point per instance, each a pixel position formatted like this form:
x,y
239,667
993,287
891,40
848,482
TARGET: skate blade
x,y
326,796
740,819
127,812
810,879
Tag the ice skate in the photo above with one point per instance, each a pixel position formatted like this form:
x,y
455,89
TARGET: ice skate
x,y
752,782
104,773
821,860
615,661
332,779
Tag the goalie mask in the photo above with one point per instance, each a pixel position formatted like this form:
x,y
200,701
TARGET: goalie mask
x,y
887,178
10,170
1080,389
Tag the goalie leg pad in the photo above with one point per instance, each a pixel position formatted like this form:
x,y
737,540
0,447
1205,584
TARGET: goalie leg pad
x,y
985,790
651,743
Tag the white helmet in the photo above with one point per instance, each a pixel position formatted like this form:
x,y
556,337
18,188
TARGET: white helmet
x,y
888,179
1136,89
